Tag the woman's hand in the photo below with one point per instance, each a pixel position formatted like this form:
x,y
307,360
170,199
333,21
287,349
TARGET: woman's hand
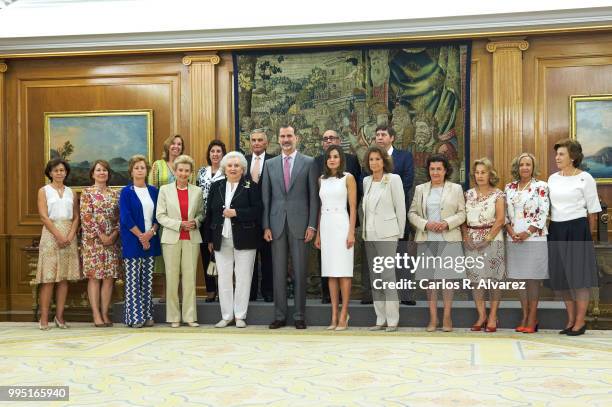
x,y
436,227
211,247
229,213
188,225
105,239
350,240
317,242
62,241
146,245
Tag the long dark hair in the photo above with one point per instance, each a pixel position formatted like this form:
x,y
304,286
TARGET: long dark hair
x,y
340,171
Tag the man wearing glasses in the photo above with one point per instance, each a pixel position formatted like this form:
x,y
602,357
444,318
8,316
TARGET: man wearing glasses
x,y
329,138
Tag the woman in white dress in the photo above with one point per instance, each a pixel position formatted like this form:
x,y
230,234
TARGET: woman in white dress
x,y
336,232
526,249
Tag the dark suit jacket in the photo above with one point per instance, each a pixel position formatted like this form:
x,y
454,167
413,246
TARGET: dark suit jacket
x,y
404,167
246,225
352,166
249,158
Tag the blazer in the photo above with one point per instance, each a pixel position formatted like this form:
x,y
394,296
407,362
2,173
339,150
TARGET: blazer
x,y
246,225
130,215
389,209
299,206
352,166
452,208
403,165
249,158
169,213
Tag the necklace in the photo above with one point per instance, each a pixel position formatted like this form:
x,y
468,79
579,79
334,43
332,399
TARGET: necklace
x,y
525,187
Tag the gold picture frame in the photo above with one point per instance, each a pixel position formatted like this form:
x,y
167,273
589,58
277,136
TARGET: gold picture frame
x,y
111,135
591,124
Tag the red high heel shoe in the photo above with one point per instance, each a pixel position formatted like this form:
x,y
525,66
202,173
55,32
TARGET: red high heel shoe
x,y
480,327
520,328
494,329
530,330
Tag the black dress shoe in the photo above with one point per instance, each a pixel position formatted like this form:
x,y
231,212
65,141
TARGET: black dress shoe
x,y
564,331
300,324
365,302
325,300
579,332
209,299
408,302
253,298
277,324
268,298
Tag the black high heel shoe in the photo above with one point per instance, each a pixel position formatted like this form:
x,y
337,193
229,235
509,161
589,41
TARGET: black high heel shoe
x,y
564,331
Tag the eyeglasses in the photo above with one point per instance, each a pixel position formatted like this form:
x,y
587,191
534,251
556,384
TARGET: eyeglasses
x,y
330,138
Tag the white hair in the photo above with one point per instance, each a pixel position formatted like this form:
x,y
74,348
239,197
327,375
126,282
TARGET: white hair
x,y
233,154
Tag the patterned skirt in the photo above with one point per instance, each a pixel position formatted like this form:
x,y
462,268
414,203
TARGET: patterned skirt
x,y
55,264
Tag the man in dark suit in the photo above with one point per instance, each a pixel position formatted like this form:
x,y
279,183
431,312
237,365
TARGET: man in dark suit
x,y
263,260
403,165
330,138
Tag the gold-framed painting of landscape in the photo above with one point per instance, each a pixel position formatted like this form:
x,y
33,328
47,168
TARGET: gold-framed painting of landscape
x,y
591,124
112,135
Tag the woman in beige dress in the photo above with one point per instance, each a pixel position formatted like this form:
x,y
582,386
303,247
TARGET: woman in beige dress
x,y
58,256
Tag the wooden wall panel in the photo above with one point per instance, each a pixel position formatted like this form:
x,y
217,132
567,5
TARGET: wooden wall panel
x,y
34,87
554,69
481,113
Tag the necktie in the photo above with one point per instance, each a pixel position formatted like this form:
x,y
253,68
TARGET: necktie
x,y
255,169
287,172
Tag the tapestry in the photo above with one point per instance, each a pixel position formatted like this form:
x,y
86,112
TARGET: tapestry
x,y
421,91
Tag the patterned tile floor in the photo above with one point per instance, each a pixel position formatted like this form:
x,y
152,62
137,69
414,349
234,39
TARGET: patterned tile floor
x,y
255,366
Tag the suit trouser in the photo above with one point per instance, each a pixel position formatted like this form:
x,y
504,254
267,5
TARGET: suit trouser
x,y
138,306
181,259
386,302
231,261
299,256
264,255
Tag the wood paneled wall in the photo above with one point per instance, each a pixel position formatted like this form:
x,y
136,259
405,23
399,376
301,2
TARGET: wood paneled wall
x,y
553,68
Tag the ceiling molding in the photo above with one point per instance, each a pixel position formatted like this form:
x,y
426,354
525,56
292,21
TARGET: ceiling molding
x,y
575,20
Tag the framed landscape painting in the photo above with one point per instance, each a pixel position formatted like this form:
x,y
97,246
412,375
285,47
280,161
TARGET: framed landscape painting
x,y
591,125
83,137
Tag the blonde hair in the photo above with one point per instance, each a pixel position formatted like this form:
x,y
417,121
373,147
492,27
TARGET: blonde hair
x,y
184,159
168,143
514,169
493,177
136,159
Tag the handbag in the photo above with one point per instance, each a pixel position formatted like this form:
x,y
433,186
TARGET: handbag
x,y
211,270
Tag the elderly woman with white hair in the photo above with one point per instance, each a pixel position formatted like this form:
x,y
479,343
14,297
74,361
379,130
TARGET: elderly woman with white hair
x,y
180,211
233,219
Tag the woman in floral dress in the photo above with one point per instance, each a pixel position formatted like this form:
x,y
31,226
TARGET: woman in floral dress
x,y
485,213
100,247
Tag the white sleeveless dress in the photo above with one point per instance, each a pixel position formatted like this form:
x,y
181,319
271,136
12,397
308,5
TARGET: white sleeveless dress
x,y
336,259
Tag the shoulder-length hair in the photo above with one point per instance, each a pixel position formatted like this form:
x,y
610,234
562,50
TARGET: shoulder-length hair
x,y
387,163
340,171
514,168
211,145
493,177
168,143
104,164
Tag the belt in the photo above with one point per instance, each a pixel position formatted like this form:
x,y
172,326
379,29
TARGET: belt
x,y
480,227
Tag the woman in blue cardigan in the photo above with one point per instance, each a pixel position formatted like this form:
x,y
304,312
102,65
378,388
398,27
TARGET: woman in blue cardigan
x,y
137,206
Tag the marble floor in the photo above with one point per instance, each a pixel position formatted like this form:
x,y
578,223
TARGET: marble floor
x,y
255,366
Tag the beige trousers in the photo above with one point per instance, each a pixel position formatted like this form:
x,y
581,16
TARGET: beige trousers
x,y
181,260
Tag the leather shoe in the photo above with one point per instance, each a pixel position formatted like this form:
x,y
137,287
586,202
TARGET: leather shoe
x,y
366,302
300,324
277,324
268,298
408,302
